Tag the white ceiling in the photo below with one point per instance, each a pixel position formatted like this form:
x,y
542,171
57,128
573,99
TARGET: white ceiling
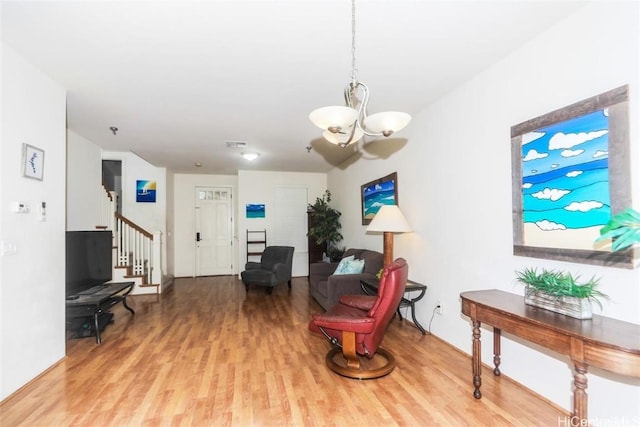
x,y
180,78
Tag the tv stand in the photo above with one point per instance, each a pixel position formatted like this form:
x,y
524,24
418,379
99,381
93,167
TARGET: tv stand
x,y
95,308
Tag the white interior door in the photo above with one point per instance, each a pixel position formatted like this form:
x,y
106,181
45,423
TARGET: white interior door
x,y
290,225
214,231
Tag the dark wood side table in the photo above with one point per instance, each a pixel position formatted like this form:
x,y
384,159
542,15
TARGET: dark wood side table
x,y
370,287
602,342
99,302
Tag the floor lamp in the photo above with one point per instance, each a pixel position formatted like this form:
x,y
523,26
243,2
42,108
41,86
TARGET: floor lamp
x,y
389,220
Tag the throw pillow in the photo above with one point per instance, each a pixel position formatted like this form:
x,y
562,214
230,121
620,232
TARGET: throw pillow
x,y
353,266
343,264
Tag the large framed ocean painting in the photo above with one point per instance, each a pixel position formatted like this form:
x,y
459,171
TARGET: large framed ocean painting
x,y
571,172
379,192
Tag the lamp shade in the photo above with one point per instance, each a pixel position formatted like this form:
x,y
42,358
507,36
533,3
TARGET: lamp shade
x,y
386,123
389,219
338,117
340,138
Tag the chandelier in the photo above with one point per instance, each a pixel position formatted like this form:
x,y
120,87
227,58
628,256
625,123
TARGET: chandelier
x,y
344,125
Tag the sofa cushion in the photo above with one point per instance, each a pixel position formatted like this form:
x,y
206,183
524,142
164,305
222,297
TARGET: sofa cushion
x,y
327,287
373,261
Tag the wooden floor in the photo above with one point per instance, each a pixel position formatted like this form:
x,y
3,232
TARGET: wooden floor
x,y
205,354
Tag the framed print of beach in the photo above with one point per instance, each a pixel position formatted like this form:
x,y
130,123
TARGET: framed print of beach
x,y
255,210
382,191
571,172
145,191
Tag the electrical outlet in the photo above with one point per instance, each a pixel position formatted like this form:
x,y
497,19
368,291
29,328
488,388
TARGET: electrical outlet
x,y
439,308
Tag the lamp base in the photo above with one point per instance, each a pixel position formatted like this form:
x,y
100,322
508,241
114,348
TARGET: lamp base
x,y
387,247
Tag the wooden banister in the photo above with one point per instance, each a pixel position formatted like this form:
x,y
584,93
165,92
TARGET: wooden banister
x,y
134,226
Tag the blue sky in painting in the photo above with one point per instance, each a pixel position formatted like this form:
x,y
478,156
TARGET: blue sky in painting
x,y
565,181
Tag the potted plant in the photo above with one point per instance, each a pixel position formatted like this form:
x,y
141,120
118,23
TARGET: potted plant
x,y
560,292
623,229
326,225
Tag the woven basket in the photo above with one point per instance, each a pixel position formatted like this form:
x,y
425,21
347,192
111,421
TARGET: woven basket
x,y
579,308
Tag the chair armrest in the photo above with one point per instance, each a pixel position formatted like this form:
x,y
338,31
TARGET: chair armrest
x,y
344,284
359,325
361,302
281,270
324,269
252,265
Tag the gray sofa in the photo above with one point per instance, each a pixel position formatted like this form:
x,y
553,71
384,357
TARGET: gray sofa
x,y
326,288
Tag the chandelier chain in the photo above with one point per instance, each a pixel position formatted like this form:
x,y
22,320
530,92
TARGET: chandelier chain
x,y
354,70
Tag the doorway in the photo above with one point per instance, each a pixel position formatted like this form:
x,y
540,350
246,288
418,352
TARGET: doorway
x,y
112,179
214,231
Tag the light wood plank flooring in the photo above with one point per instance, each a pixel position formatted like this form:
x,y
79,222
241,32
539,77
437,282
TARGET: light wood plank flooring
x,y
206,354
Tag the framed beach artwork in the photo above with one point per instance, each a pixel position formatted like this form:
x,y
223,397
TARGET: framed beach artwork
x,y
255,210
571,172
145,191
382,191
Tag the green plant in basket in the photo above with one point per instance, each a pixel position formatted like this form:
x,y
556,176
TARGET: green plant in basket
x,y
560,284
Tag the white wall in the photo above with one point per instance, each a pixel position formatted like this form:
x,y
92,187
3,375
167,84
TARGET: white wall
x,y
257,187
169,247
84,179
32,281
184,203
454,179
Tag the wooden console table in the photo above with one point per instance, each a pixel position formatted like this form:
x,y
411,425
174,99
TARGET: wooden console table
x,y
602,342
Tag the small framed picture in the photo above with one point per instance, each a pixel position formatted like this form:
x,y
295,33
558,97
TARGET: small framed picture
x,y
32,162
379,192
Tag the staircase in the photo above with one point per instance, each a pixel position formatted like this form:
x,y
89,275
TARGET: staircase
x,y
137,252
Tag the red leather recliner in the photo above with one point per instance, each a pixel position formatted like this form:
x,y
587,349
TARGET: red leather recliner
x,y
357,324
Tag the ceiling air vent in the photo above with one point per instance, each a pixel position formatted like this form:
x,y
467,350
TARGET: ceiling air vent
x,y
236,144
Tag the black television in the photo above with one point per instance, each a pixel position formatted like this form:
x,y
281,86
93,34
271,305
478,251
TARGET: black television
x,y
88,260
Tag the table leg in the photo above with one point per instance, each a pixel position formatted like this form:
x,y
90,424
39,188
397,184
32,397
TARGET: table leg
x,y
476,364
97,326
413,316
496,351
124,302
580,403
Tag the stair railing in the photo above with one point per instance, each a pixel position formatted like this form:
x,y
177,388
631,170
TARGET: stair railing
x,y
107,208
135,248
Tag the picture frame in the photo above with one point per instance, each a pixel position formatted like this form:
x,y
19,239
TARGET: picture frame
x,y
570,173
145,191
255,210
379,192
32,162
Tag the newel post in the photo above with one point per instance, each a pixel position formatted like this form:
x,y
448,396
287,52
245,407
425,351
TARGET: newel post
x,y
156,257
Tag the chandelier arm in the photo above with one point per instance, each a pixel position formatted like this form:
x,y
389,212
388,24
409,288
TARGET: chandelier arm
x,y
362,110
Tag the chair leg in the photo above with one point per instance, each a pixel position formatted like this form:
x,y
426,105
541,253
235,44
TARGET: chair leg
x,y
289,283
246,286
269,289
